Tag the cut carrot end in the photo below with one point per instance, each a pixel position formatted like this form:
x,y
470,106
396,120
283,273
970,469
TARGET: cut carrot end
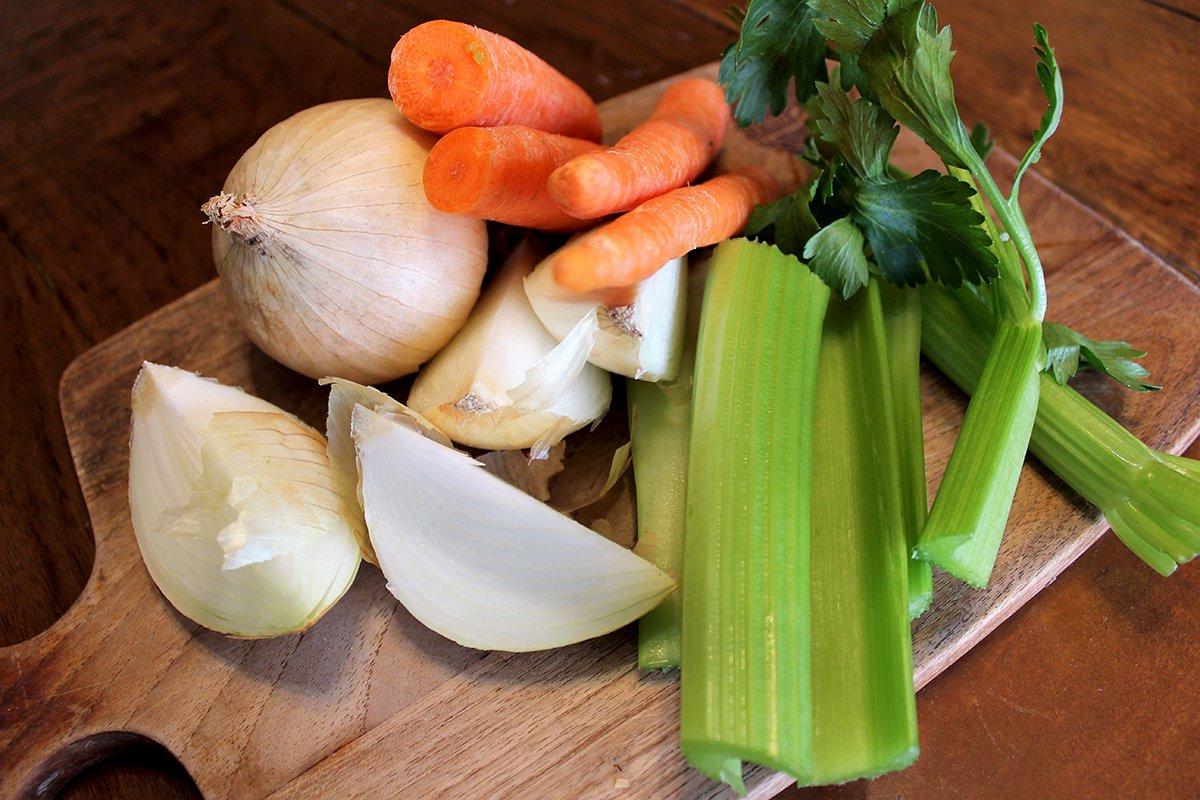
x,y
439,75
458,170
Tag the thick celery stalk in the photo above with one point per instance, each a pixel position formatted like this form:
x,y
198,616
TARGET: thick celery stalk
x,y
746,634
902,324
659,417
864,706
1151,499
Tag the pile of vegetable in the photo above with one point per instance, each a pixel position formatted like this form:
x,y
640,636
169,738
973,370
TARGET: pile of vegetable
x,y
784,543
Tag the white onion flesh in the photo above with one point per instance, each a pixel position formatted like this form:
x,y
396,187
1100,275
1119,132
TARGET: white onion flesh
x,y
504,383
480,561
333,261
643,339
344,395
235,507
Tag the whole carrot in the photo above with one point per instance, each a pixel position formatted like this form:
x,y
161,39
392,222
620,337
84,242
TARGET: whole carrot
x,y
666,151
634,245
446,75
500,174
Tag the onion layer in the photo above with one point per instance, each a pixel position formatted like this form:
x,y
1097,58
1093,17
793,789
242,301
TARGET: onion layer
x,y
504,382
236,511
641,338
480,561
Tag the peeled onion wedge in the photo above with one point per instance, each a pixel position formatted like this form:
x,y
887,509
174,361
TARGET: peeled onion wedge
x,y
480,561
640,339
235,507
344,395
503,382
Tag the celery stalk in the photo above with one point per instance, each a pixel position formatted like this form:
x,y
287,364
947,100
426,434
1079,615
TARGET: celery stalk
x,y
659,416
1151,499
746,624
902,324
864,706
970,510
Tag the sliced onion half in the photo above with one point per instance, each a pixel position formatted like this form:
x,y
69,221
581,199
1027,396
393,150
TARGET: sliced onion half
x,y
480,561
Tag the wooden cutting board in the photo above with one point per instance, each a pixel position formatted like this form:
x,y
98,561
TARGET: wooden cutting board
x,y
371,704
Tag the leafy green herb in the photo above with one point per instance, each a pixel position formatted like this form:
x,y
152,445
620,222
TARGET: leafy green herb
x,y
862,132
835,253
778,43
925,222
788,222
849,24
1051,80
907,64
920,227
1068,350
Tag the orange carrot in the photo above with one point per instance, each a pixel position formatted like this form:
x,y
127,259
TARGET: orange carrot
x,y
500,174
666,151
632,247
446,75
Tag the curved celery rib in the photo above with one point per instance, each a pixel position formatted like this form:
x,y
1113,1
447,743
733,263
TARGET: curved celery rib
x,y
864,706
1151,499
746,622
902,324
658,427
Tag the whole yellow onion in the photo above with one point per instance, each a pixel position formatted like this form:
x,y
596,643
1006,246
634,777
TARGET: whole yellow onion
x,y
330,256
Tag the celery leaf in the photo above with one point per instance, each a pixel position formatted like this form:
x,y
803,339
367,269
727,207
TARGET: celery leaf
x,y
849,24
788,222
835,254
1051,80
907,63
862,132
778,43
1068,351
926,221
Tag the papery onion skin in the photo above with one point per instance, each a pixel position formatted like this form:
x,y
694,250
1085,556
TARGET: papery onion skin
x,y
330,256
172,410
483,563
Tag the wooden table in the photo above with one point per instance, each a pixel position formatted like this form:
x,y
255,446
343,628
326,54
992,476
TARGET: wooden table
x,y
118,119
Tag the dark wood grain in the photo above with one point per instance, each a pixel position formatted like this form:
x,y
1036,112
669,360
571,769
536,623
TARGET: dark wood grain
x,y
117,119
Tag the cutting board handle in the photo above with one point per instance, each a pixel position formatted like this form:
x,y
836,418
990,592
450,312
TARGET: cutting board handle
x,y
64,694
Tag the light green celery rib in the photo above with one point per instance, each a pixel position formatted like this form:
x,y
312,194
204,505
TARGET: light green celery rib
x,y
902,324
1151,499
970,510
746,627
864,705
659,417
